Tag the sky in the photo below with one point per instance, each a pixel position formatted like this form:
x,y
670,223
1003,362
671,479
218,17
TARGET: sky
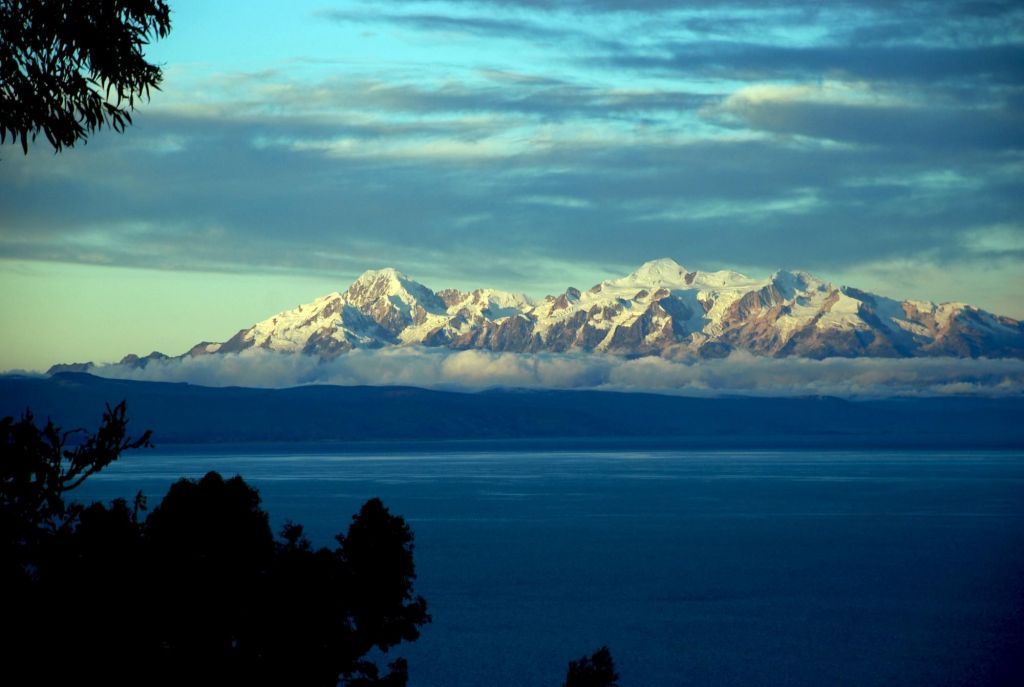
x,y
527,145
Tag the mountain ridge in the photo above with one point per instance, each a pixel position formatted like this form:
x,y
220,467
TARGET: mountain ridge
x,y
661,309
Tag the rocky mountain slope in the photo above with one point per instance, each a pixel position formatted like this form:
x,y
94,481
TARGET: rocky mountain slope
x,y
660,309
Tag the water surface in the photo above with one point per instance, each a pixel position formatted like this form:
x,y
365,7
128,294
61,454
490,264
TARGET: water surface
x,y
701,568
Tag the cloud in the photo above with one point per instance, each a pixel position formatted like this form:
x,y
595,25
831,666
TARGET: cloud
x,y
487,27
265,193
950,8
740,373
510,166
758,61
838,112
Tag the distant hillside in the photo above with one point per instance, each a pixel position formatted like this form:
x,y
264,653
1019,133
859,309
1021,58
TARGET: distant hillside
x,y
182,413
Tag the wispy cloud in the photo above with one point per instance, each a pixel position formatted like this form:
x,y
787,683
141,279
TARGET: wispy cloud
x,y
482,26
754,61
837,112
738,374
266,192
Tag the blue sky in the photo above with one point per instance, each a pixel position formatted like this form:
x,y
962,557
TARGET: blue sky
x,y
526,145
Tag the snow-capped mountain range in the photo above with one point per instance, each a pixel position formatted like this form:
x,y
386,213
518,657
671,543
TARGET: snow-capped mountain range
x,y
660,309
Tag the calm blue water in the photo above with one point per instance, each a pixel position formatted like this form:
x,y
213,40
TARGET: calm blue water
x,y
773,568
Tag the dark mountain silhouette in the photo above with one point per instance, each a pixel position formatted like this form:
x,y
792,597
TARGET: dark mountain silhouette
x,y
362,416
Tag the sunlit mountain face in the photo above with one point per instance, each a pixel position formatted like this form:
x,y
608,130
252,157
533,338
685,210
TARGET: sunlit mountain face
x,y
662,328
660,309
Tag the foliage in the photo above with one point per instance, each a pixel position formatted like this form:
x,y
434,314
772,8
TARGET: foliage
x,y
597,670
36,471
200,591
286,613
70,67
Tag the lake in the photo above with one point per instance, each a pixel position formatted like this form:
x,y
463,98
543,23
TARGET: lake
x,y
696,568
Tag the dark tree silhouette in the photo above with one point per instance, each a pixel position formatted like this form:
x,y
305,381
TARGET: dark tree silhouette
x,y
239,607
333,607
65,570
597,670
36,471
199,592
70,67
208,544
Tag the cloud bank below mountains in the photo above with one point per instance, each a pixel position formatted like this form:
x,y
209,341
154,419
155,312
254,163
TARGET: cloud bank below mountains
x,y
739,374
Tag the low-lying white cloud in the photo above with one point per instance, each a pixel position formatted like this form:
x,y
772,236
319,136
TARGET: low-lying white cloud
x,y
740,373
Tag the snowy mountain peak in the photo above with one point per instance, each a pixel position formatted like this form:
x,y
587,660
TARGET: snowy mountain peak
x,y
397,287
660,309
661,272
666,272
386,275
